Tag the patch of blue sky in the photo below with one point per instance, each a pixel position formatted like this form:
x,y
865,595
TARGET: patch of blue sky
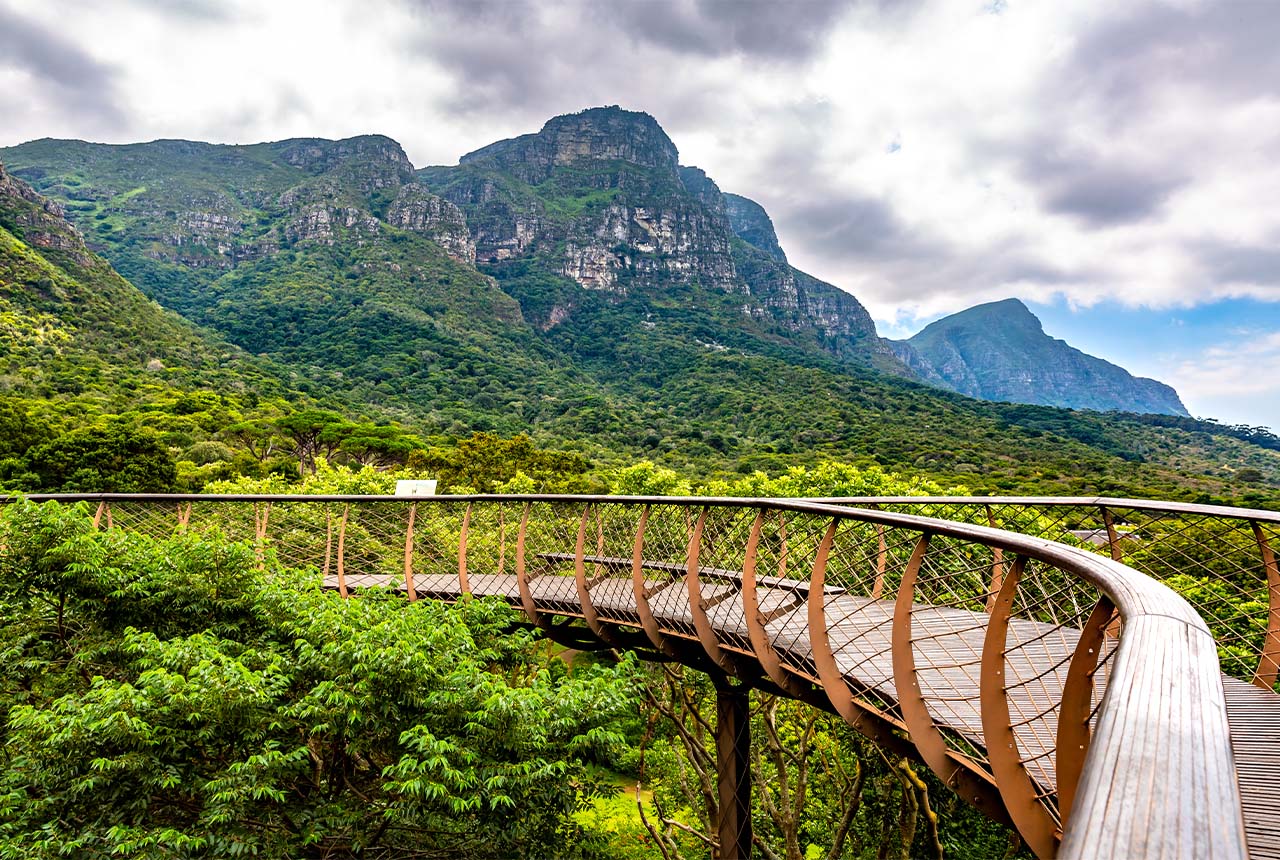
x,y
1222,357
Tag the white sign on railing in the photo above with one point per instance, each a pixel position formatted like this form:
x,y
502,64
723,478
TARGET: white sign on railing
x,y
415,488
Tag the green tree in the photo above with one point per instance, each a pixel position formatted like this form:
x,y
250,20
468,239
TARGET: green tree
x,y
485,460
311,431
175,699
109,459
380,446
258,438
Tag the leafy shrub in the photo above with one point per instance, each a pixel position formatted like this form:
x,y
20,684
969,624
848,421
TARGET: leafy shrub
x,y
176,699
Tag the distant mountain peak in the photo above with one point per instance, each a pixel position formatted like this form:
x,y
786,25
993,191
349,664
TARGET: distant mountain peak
x,y
1007,314
607,118
1000,351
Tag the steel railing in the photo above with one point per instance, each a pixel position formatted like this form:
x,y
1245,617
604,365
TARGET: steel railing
x,y
1221,559
1046,683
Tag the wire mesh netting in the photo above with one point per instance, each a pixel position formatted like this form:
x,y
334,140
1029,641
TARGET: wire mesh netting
x,y
550,539
1222,563
684,567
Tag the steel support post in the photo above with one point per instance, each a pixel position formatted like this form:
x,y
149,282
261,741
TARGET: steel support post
x,y
733,769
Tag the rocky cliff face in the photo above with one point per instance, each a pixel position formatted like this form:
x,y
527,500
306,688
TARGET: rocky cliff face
x,y
705,191
600,199
654,242
594,135
753,224
999,351
36,220
417,209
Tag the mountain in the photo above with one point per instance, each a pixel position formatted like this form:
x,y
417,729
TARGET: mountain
x,y
999,351
577,283
595,209
74,329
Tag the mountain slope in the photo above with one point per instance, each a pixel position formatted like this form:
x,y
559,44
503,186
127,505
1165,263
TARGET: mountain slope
x,y
617,305
102,387
999,351
73,327
324,255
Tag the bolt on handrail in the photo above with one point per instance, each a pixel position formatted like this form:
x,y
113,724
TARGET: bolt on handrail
x,y
1044,682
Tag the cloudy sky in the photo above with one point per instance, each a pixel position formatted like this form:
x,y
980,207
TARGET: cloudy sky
x,y
1116,165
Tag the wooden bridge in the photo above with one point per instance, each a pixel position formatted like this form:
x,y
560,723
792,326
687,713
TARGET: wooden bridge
x,y
1030,651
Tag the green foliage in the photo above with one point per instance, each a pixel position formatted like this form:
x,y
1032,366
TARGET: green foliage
x,y
111,459
172,699
486,461
646,479
831,480
21,427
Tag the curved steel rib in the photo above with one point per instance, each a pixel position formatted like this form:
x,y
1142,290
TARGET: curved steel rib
x,y
1098,777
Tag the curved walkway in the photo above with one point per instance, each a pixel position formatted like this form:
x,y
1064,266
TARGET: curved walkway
x,y
1047,684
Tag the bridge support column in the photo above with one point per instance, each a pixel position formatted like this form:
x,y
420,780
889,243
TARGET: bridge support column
x,y
733,768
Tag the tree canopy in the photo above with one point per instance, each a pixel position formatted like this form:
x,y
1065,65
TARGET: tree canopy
x,y
176,699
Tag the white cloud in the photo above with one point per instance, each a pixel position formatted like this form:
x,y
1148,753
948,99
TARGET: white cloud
x,y
1237,380
925,156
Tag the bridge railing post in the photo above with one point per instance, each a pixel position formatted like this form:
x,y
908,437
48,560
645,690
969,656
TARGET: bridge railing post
x,y
733,771
1269,660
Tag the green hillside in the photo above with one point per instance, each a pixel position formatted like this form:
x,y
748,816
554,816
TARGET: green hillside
x,y
579,285
83,347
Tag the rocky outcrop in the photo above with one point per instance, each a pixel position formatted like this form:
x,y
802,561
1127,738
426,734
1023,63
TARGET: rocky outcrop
x,y
704,190
678,242
418,210
369,162
753,225
502,225
835,313
999,351
318,222
202,238
38,221
594,135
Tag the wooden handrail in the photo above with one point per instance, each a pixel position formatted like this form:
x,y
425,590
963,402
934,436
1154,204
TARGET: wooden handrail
x,y
1158,777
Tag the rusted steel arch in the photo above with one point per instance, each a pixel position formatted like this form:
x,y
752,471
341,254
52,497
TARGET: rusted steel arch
x,y
1257,527
901,668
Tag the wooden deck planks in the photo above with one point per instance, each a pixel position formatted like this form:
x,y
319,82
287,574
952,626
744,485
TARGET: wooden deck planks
x,y
948,644
1254,717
